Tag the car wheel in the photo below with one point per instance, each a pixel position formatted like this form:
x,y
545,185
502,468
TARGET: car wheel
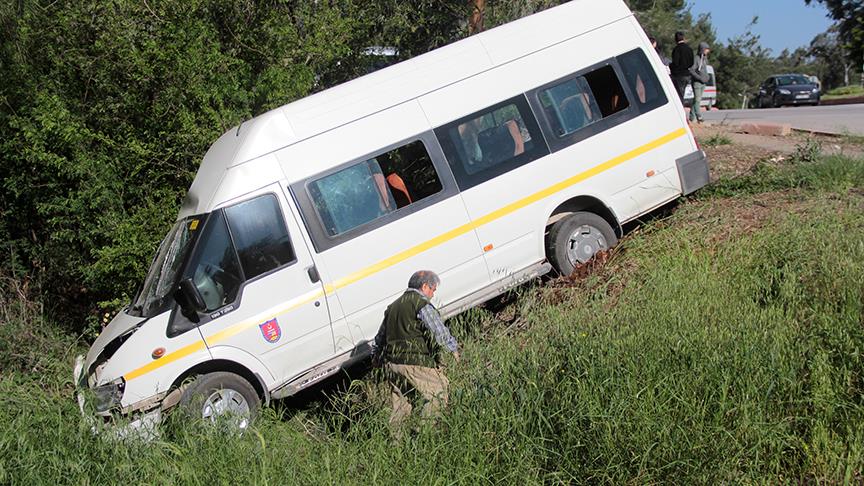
x,y
221,398
576,239
775,103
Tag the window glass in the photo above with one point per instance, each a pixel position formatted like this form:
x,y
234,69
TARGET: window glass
x,y
792,79
374,188
165,269
491,138
583,100
214,268
491,142
260,235
641,79
570,106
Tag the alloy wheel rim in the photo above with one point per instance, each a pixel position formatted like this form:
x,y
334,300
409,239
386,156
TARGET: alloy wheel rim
x,y
227,404
584,242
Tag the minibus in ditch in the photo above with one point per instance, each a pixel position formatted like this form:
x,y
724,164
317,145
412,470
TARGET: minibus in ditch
x,y
489,161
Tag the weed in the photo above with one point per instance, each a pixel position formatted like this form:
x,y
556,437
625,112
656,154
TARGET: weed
x,y
851,138
807,152
717,140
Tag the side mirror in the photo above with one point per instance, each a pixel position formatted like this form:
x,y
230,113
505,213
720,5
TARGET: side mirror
x,y
189,299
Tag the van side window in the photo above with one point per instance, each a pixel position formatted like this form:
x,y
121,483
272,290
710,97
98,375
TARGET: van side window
x,y
491,142
583,100
374,188
607,90
570,106
639,76
260,235
214,268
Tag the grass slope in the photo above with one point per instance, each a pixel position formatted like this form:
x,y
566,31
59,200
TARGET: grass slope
x,y
722,343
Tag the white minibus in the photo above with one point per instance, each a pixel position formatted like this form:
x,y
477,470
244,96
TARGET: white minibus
x,y
489,161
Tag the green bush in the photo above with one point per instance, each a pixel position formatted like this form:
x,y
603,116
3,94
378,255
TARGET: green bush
x,y
846,91
106,109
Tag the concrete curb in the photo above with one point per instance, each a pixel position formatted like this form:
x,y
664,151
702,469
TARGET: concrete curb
x,y
766,129
843,101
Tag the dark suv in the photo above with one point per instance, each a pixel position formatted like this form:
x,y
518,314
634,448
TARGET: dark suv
x,y
787,89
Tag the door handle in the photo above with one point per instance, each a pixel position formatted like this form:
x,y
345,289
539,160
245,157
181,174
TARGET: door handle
x,y
313,274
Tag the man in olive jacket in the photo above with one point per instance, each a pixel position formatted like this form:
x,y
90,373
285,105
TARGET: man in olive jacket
x,y
408,342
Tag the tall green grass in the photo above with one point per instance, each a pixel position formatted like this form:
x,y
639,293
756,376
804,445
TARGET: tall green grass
x,y
702,353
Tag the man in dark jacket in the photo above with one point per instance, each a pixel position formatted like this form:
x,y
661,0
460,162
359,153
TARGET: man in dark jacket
x,y
682,61
408,342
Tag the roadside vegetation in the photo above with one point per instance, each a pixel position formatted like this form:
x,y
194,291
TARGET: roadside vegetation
x,y
844,92
721,342
716,140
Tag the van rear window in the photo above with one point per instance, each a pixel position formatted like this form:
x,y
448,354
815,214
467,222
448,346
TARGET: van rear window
x,y
640,77
373,188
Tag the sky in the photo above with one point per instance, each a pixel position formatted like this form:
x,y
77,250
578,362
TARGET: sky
x,y
782,23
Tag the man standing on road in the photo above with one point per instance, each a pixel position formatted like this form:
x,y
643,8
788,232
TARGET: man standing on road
x,y
698,86
408,341
682,61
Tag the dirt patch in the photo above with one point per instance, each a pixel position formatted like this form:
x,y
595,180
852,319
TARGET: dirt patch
x,y
749,146
732,160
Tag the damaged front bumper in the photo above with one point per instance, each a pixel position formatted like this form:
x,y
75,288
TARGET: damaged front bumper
x,y
99,409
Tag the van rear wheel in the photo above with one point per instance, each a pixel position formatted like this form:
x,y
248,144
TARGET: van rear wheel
x,y
576,239
221,398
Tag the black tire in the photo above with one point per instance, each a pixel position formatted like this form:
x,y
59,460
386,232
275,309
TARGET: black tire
x,y
214,396
576,239
775,103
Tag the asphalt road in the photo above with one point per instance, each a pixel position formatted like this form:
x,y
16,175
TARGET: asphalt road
x,y
838,119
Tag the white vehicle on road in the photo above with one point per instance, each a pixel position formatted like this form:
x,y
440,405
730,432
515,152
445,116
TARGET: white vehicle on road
x,y
709,96
488,161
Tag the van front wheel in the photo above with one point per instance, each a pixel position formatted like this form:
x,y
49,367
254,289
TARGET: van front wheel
x,y
223,398
576,239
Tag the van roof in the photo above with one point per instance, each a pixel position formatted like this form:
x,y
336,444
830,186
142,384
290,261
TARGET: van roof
x,y
412,78
393,85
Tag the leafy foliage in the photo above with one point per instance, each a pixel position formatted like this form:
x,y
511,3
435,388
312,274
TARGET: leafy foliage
x,y
108,107
849,15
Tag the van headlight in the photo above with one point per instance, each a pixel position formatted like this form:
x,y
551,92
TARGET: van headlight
x,y
109,395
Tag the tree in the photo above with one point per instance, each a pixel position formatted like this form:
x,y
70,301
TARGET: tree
x,y
832,64
662,18
106,109
849,15
741,66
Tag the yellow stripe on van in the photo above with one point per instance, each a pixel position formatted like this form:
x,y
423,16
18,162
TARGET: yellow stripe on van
x,y
500,213
224,334
265,316
406,254
164,360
